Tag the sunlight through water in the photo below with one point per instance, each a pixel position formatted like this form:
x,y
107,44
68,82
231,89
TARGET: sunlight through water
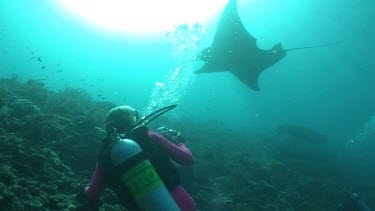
x,y
142,16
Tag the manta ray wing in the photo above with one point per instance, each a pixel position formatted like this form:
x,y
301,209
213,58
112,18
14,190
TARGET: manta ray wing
x,y
230,31
234,49
249,78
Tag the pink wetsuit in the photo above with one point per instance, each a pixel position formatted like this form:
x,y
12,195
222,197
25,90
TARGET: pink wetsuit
x,y
178,153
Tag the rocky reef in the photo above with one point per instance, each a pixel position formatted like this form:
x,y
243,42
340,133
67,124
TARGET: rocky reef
x,y
49,144
50,141
259,172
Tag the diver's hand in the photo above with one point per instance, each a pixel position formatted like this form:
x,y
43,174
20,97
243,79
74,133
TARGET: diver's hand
x,y
180,138
81,195
87,204
92,205
172,135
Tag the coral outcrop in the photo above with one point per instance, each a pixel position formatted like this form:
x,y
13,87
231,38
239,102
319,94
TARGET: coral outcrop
x,y
50,141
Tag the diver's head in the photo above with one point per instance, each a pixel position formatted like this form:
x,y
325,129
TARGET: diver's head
x,y
122,118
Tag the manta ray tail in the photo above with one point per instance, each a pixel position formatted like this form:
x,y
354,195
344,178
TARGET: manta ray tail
x,y
316,46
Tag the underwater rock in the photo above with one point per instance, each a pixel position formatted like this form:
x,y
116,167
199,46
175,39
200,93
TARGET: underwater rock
x,y
34,91
279,174
70,103
7,174
221,203
6,197
22,107
300,133
4,111
49,149
37,161
11,145
49,189
47,128
265,190
32,174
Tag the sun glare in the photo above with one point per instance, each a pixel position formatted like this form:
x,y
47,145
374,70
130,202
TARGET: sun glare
x,y
143,16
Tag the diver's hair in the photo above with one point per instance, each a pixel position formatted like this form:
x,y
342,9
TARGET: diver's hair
x,y
118,113
109,138
107,141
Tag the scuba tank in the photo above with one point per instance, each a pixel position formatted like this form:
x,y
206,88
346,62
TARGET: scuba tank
x,y
126,162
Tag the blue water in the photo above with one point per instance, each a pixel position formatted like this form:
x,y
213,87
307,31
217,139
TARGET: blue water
x,y
327,89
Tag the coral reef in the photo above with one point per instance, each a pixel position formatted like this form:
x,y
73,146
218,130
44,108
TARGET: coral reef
x,y
45,140
50,141
291,168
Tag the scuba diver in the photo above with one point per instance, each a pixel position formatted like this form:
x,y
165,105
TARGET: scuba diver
x,y
135,163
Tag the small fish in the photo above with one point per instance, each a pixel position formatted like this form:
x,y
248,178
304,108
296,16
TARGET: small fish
x,y
43,67
40,59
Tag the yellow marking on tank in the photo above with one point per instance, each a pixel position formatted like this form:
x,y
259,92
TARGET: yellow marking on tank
x,y
142,180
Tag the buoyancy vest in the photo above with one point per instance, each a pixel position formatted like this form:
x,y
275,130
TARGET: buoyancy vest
x,y
151,151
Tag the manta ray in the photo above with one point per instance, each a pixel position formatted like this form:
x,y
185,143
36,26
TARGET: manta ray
x,y
234,49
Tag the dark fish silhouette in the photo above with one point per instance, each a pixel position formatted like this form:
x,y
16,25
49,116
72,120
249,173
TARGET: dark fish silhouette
x,y
301,134
234,49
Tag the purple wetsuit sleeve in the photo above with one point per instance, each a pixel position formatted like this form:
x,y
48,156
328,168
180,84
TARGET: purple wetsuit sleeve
x,y
183,199
178,153
97,185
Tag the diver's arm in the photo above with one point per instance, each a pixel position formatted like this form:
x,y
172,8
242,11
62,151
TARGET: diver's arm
x,y
89,197
97,185
178,153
